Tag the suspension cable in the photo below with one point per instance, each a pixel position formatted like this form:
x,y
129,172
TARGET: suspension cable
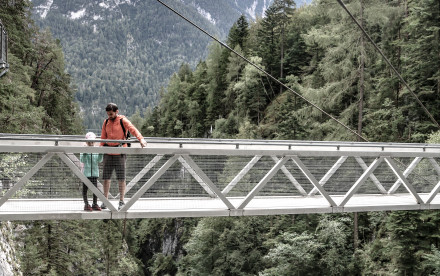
x,y
388,62
264,72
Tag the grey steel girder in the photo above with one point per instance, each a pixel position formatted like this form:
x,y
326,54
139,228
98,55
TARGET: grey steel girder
x,y
255,160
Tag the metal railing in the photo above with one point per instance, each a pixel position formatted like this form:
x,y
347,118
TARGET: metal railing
x,y
41,177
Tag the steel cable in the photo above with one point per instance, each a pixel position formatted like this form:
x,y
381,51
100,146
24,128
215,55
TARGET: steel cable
x,y
264,72
388,62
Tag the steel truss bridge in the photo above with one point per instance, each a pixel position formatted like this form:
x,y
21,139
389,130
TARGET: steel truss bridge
x,y
41,178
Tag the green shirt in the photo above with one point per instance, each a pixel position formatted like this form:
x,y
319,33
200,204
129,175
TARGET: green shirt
x,y
90,161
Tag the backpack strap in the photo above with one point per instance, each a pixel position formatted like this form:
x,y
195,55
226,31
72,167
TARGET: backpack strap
x,y
123,129
105,128
126,134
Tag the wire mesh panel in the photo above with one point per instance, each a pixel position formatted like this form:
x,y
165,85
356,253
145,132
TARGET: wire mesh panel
x,y
177,181
13,166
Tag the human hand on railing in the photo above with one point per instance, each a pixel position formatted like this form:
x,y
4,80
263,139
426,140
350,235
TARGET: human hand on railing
x,y
143,143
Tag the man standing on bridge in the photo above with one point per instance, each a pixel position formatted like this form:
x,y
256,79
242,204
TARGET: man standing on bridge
x,y
116,127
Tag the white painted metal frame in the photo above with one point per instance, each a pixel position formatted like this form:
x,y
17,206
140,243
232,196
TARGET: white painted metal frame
x,y
217,202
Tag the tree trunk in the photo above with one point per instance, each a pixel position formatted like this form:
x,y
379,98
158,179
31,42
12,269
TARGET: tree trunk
x,y
361,76
360,116
438,49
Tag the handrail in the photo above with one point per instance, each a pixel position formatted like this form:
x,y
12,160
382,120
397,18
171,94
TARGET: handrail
x,y
165,140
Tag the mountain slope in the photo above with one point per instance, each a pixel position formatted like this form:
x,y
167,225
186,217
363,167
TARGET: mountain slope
x,y
125,51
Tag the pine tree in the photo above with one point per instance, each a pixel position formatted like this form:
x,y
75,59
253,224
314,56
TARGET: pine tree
x,y
239,33
343,75
422,66
216,67
36,93
251,96
273,39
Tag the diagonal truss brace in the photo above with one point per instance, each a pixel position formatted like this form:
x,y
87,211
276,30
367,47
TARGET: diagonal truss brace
x,y
336,166
291,178
207,181
435,165
240,175
313,180
85,180
164,168
361,180
372,176
196,176
26,177
436,189
150,182
329,174
408,170
402,178
263,182
141,174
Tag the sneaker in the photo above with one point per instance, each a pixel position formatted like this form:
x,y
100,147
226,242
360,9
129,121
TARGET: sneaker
x,y
87,207
103,206
96,207
121,204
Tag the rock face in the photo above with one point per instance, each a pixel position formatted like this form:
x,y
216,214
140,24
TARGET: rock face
x,y
9,263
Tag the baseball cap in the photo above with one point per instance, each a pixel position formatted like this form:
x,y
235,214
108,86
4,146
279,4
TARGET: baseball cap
x,y
90,136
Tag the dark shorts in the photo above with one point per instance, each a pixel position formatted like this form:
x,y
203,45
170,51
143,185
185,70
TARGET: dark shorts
x,y
114,162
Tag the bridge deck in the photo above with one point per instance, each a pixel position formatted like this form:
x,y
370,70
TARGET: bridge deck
x,y
43,209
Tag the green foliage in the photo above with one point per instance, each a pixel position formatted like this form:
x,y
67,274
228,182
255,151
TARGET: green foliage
x,y
125,56
422,63
335,236
163,265
328,251
36,94
432,261
316,51
294,254
386,123
239,33
157,243
401,243
90,248
434,138
225,246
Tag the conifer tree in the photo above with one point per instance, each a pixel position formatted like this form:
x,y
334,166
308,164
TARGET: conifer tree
x,y
239,33
216,67
251,96
422,69
273,38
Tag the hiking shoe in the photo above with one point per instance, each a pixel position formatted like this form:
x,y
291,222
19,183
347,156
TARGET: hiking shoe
x,y
103,206
96,207
87,207
121,204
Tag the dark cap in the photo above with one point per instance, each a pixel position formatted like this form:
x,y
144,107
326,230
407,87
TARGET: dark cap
x,y
111,107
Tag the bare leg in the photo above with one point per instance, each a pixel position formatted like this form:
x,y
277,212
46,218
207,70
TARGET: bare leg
x,y
106,187
121,190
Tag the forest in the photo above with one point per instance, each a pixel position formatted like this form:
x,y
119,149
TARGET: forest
x,y
317,52
127,54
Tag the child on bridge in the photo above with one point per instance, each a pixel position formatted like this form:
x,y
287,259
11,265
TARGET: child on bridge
x,y
91,171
